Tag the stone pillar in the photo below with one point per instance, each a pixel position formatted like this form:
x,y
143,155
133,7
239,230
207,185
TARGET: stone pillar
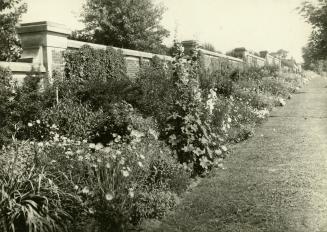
x,y
190,45
43,43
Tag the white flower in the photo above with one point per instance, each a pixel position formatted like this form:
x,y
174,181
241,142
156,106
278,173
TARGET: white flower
x,y
98,146
94,165
107,150
140,164
88,156
142,157
122,161
92,145
40,144
75,187
69,153
131,192
85,190
109,197
210,105
229,120
107,165
125,173
224,148
153,133
29,124
137,134
38,121
218,152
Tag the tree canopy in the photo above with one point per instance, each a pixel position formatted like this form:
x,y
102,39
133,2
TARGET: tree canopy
x,y
10,14
315,13
133,24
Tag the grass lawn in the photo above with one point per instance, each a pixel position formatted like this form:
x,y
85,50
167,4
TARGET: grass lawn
x,y
275,181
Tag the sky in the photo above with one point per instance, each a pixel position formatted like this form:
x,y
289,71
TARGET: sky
x,y
254,24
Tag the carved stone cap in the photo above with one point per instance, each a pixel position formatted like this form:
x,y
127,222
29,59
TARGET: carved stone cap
x,y
190,43
43,26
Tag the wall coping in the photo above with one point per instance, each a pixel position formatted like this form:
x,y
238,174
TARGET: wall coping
x,y
21,67
43,26
126,52
206,52
257,57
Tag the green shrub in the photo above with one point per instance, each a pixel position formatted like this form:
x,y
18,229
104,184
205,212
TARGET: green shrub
x,y
110,180
20,104
29,199
165,171
275,86
89,64
74,120
188,130
95,76
108,184
153,204
7,94
157,90
30,100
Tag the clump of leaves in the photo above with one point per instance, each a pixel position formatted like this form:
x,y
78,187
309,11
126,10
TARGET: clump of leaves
x,y
188,130
29,200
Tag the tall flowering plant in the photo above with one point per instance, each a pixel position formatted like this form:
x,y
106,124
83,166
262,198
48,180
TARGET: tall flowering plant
x,y
188,126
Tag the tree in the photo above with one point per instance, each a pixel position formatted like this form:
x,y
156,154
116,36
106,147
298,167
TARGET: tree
x,y
133,24
10,14
282,53
208,46
316,50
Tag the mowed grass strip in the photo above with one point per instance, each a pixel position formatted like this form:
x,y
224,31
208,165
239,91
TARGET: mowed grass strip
x,y
275,181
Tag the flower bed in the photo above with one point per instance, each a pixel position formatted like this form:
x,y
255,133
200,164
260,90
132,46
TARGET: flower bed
x,y
100,152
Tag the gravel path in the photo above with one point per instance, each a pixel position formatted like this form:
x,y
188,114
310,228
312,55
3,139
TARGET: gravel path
x,y
275,181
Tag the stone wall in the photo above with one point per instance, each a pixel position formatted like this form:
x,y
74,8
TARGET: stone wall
x,y
212,61
133,58
20,70
44,44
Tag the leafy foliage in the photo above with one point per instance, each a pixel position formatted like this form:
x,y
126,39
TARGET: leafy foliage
x,y
113,152
96,77
316,49
107,183
74,120
125,24
156,90
209,47
29,199
6,97
188,131
24,104
10,14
